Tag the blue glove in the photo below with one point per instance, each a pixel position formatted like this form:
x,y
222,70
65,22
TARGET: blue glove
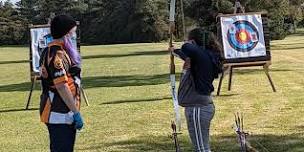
x,y
78,121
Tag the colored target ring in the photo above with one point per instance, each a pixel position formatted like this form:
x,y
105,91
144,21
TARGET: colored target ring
x,y
243,36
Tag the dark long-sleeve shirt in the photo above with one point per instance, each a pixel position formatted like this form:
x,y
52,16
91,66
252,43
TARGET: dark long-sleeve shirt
x,y
203,66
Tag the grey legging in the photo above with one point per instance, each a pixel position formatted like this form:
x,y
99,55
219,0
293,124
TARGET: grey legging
x,y
198,121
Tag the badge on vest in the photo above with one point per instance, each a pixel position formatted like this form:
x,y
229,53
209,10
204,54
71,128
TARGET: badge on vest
x,y
58,62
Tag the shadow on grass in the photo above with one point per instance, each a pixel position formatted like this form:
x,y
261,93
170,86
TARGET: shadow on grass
x,y
14,46
225,95
286,44
101,81
18,110
13,62
24,86
143,53
124,81
300,127
219,143
241,71
136,100
286,48
263,143
140,144
300,33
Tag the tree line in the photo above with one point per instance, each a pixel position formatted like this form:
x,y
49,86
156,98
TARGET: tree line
x,y
131,21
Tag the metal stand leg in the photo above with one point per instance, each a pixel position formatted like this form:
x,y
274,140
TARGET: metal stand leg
x,y
266,69
84,96
30,95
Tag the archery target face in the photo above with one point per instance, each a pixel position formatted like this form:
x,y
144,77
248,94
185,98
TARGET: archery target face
x,y
40,38
243,36
38,43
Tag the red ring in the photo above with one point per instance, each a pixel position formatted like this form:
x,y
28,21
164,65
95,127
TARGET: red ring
x,y
238,37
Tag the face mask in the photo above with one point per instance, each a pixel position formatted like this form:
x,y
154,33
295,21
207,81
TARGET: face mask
x,y
70,43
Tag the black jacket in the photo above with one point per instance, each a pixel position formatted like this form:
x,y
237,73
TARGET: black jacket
x,y
205,66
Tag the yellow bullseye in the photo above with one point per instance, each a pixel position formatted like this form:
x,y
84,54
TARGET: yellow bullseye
x,y
243,36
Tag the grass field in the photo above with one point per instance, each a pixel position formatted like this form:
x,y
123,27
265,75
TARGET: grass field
x,y
131,106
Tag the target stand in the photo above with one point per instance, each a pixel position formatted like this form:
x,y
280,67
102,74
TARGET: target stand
x,y
246,42
34,55
228,68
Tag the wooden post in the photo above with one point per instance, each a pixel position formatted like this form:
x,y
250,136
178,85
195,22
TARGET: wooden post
x,y
220,83
238,7
32,76
31,92
84,96
78,48
266,69
230,77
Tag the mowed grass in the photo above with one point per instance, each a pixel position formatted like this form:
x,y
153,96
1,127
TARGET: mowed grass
x,y
131,107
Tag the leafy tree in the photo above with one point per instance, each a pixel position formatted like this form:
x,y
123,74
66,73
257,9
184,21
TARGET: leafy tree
x,y
205,12
277,11
71,7
125,21
12,28
28,10
295,14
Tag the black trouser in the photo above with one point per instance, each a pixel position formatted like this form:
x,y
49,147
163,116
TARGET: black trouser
x,y
62,137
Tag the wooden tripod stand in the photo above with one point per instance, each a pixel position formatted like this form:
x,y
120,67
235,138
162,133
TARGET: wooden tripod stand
x,y
230,66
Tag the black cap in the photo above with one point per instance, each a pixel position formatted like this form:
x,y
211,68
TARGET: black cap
x,y
61,25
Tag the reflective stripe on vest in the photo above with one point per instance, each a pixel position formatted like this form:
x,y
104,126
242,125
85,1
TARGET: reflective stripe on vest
x,y
61,118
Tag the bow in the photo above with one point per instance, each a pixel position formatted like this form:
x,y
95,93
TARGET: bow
x,y
239,122
172,65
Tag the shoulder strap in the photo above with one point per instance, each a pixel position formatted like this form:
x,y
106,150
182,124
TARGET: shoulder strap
x,y
59,44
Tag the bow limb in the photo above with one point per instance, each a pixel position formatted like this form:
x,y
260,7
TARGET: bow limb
x,y
172,65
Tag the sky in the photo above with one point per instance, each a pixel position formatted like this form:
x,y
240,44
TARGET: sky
x,y
13,1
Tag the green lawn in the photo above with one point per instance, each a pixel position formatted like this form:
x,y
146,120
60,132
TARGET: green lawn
x,y
131,106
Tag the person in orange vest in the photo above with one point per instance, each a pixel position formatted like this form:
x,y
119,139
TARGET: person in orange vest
x,y
60,74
